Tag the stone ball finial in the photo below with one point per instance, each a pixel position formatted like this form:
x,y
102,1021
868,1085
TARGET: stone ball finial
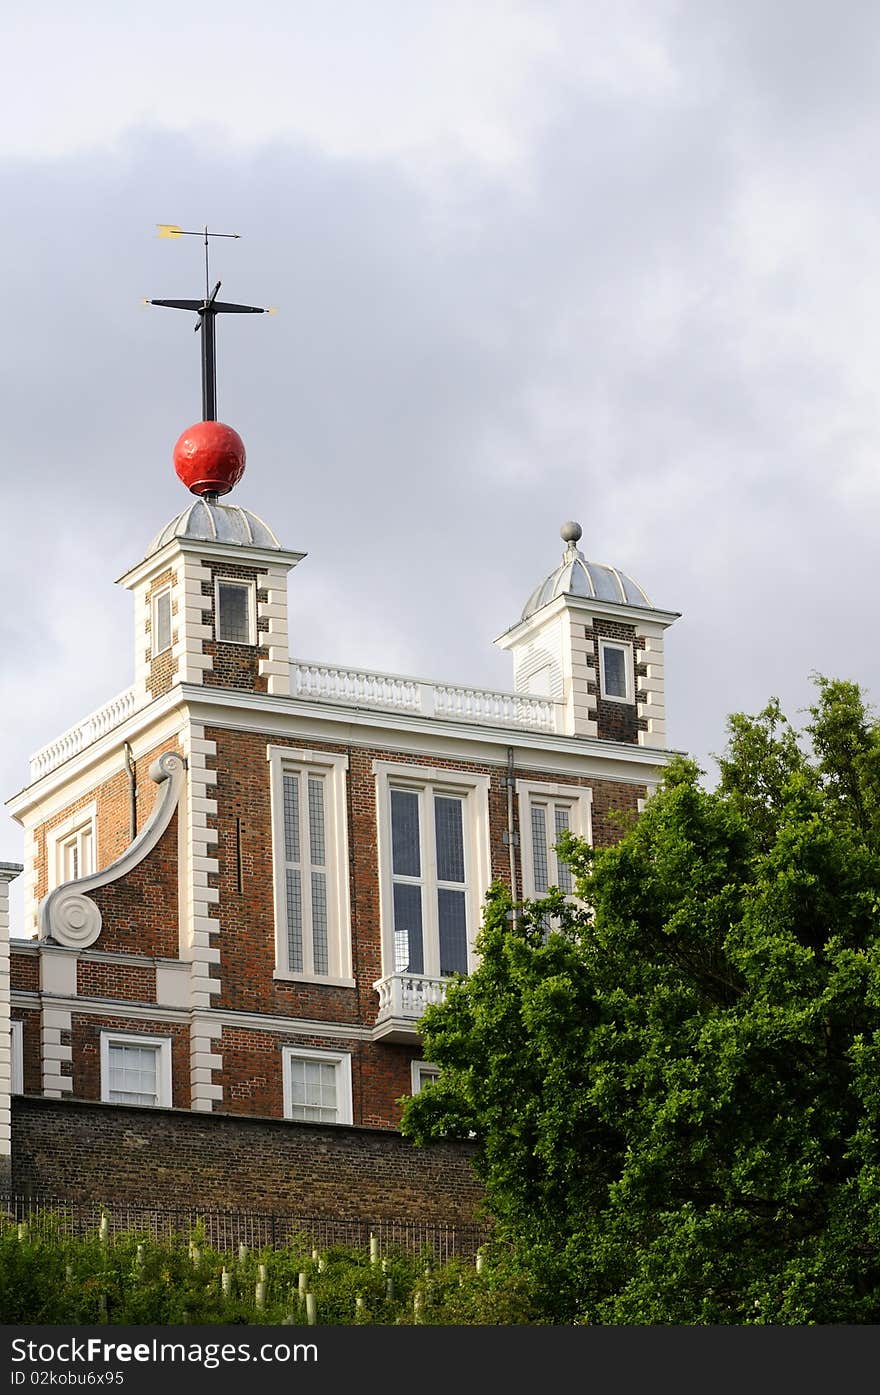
x,y
571,532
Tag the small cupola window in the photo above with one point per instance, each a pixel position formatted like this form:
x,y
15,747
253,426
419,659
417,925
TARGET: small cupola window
x,y
235,612
616,671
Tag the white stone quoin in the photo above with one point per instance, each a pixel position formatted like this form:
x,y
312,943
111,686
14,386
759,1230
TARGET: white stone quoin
x,y
8,872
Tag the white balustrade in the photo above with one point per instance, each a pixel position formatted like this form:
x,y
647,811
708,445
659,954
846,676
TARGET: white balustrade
x,y
325,682
329,683
77,738
407,995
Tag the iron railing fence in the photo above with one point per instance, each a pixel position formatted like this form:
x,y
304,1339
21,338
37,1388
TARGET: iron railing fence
x,y
226,1230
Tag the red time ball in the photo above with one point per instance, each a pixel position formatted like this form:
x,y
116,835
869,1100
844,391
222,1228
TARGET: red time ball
x,y
209,458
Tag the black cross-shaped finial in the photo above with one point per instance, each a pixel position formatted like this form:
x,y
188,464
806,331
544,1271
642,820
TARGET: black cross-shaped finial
x,y
206,310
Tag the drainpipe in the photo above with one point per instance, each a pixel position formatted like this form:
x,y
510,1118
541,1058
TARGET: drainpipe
x,y
511,835
132,792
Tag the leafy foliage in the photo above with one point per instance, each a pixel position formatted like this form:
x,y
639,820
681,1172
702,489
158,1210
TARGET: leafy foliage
x,y
675,1083
47,1276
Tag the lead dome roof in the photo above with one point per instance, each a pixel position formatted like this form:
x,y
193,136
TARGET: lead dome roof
x,y
207,520
576,576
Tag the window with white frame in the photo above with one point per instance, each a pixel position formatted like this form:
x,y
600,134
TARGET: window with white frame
x,y
311,865
316,1085
434,866
135,1069
423,1073
616,671
235,609
16,1044
545,812
161,623
70,847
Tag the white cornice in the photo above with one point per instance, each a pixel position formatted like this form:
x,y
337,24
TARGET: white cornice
x,y
238,553
145,719
357,726
588,606
246,1021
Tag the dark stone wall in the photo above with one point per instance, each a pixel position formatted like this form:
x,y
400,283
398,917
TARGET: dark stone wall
x,y
84,1151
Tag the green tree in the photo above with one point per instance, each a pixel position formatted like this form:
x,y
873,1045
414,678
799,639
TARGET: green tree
x,y
676,1093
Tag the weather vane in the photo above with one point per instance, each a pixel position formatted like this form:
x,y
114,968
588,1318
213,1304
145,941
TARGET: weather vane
x,y
207,310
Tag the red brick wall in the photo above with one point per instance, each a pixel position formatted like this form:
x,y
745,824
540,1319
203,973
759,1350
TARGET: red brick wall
x,y
113,801
235,665
24,972
114,1153
617,721
252,1074
135,983
247,915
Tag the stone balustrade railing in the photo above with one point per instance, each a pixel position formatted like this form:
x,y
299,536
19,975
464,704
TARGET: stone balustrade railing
x,y
77,738
329,683
362,688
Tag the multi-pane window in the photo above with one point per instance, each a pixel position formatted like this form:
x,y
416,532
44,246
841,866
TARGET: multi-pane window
x,y
70,848
235,606
305,857
615,661
76,854
161,632
311,885
434,866
545,813
429,882
135,1070
549,821
317,1086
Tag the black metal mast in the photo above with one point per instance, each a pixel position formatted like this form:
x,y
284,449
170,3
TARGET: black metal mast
x,y
207,310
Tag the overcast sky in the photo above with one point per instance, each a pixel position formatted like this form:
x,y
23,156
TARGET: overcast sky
x,y
533,261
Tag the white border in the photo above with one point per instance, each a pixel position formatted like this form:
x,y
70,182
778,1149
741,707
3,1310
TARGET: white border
x,y
292,758
580,800
163,1065
16,1045
474,789
416,1068
250,586
629,671
87,817
154,623
342,1062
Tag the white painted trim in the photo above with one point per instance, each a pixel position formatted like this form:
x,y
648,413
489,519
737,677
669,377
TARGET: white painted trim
x,y
156,597
420,1069
340,1059
473,789
31,1001
318,721
588,605
247,584
163,1063
629,672
147,727
333,767
579,800
73,826
16,1047
237,554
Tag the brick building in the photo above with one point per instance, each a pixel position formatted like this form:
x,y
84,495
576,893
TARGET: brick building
x,y
246,875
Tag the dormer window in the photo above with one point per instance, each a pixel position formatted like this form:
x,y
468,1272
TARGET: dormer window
x,y
161,630
235,610
616,670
